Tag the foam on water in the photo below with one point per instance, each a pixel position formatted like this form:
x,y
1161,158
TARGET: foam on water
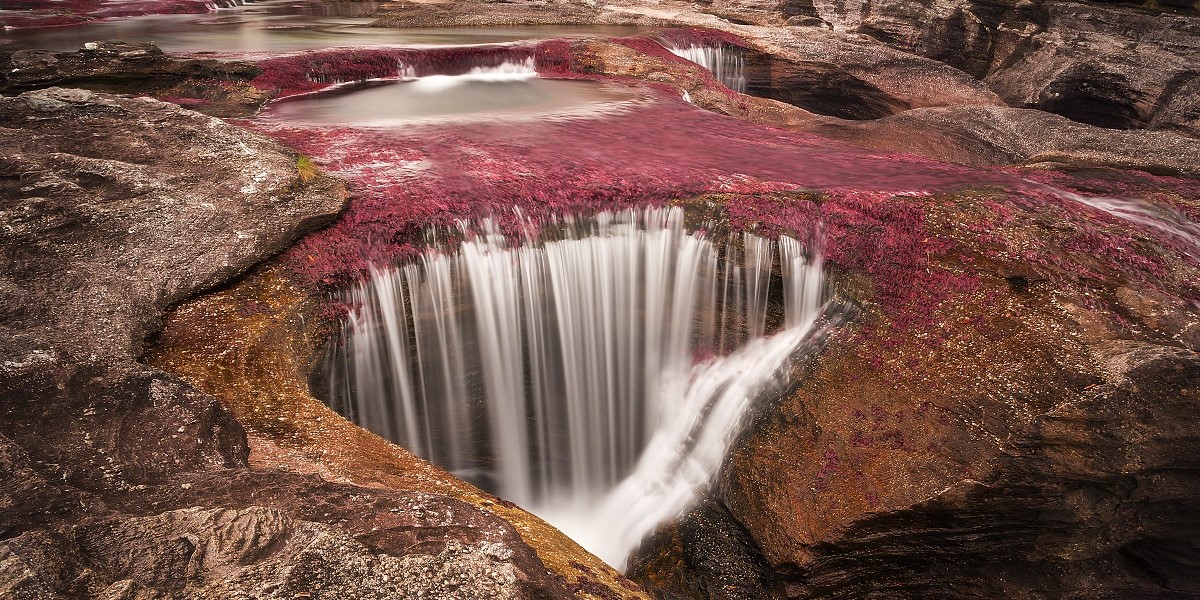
x,y
508,71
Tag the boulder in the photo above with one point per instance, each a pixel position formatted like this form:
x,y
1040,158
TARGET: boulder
x,y
1118,67
216,87
122,481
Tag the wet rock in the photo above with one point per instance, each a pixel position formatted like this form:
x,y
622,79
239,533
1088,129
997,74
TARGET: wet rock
x,y
704,554
122,481
1090,495
1115,67
1037,451
219,88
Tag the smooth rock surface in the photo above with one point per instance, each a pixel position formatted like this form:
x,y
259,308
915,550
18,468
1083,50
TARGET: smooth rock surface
x,y
1034,440
216,87
121,481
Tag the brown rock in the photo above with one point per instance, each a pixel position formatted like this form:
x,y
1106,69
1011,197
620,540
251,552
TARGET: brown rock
x,y
704,554
215,87
123,481
1113,67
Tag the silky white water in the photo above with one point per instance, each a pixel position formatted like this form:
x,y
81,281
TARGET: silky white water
x,y
510,89
596,375
507,71
1158,216
727,64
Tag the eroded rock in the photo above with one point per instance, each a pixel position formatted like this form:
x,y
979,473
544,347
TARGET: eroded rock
x,y
1033,443
215,87
1115,67
121,481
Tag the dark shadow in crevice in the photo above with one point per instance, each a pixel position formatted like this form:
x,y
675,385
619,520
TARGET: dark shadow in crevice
x,y
1099,99
821,88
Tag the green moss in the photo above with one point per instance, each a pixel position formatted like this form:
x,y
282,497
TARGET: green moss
x,y
305,169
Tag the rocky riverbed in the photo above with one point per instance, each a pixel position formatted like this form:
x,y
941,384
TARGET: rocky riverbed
x,y
1009,195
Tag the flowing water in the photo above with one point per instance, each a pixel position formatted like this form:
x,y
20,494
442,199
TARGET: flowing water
x,y
281,26
727,63
603,371
1157,216
509,90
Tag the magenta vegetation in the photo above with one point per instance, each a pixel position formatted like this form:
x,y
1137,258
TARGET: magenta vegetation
x,y
874,207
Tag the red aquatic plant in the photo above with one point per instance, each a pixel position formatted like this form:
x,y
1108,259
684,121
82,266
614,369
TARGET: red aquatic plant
x,y
875,207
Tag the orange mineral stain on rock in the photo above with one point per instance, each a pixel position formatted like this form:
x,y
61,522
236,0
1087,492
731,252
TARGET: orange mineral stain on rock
x,y
251,346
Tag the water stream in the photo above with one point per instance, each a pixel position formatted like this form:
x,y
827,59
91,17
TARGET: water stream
x,y
509,90
281,26
1154,215
726,63
603,371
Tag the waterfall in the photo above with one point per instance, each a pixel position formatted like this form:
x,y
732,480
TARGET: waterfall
x,y
507,71
601,369
727,63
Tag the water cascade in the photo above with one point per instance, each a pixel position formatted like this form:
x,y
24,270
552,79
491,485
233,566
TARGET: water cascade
x,y
600,368
727,63
507,71
1158,216
487,87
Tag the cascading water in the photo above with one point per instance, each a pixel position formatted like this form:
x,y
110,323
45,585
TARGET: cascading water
x,y
727,63
412,94
601,372
1160,217
507,71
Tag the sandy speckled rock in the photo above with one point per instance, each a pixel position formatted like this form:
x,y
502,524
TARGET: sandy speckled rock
x,y
121,481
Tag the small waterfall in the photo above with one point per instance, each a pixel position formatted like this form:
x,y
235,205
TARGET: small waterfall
x,y
429,71
507,71
603,369
1158,216
727,63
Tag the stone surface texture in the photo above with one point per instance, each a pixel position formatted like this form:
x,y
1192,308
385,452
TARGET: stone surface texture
x,y
121,481
1011,412
215,87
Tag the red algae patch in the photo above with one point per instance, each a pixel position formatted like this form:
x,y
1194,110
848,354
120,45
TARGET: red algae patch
x,y
405,180
874,206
